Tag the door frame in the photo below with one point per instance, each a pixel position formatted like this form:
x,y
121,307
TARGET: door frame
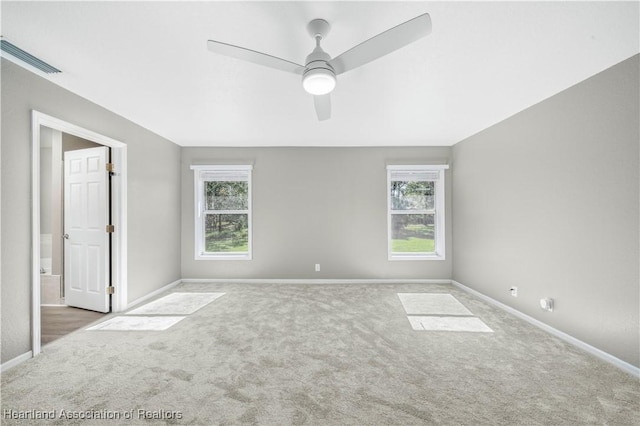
x,y
118,214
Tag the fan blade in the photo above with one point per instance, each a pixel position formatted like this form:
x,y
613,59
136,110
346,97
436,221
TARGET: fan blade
x,y
383,44
323,106
253,56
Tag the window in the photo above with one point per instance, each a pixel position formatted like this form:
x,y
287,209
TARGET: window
x,y
222,212
416,212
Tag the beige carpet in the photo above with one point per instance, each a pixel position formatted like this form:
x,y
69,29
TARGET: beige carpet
x,y
432,304
176,304
320,355
145,323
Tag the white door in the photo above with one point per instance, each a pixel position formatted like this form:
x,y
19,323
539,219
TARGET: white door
x,y
86,216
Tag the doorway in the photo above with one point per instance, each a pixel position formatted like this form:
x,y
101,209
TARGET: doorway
x,y
79,241
64,262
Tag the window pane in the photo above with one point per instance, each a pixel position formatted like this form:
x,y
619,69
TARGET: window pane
x,y
226,233
226,195
412,233
412,195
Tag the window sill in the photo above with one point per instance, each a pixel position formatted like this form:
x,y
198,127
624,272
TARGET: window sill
x,y
416,257
223,257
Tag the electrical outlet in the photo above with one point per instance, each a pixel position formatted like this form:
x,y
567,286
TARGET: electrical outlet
x,y
514,291
317,267
547,304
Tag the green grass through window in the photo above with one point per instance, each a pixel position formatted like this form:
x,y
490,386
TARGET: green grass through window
x,y
412,245
413,238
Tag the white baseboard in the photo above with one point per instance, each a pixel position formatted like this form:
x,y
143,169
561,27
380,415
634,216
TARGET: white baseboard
x,y
152,294
617,362
313,281
15,361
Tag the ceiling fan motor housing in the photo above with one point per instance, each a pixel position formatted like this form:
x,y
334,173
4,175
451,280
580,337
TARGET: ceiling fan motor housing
x,y
319,77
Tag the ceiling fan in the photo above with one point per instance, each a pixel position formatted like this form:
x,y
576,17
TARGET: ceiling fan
x,y
320,70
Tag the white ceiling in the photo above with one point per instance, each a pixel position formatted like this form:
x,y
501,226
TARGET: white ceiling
x,y
483,62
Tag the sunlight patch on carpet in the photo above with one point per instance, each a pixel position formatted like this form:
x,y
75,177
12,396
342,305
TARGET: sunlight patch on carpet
x,y
137,324
176,304
472,324
432,304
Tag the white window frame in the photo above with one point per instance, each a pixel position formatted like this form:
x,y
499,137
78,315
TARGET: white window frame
x,y
203,174
438,210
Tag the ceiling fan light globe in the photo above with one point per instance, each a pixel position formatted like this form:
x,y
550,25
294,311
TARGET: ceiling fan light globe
x,y
319,81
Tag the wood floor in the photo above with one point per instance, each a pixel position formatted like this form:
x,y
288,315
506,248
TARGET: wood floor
x,y
57,321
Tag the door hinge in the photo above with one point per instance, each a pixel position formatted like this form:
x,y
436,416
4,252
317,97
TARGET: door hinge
x,y
111,228
111,289
110,167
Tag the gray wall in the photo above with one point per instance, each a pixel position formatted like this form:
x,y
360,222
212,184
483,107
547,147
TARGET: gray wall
x,y
46,190
72,143
313,205
547,200
153,196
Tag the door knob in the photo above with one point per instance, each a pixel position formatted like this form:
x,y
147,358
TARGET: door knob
x,y
65,236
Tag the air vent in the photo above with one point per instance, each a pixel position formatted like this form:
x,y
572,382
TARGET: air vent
x,y
27,58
